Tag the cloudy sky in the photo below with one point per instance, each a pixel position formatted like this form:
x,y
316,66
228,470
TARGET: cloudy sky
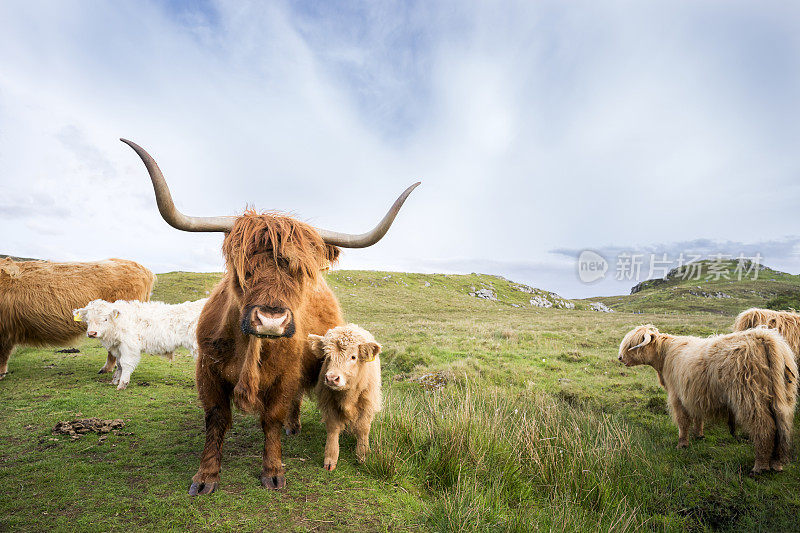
x,y
538,129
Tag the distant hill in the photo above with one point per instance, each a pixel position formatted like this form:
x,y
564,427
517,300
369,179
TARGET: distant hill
x,y
14,258
401,287
699,287
711,286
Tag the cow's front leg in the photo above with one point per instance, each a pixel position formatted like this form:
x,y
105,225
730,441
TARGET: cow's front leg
x,y
111,360
6,347
697,428
292,423
117,373
217,404
683,420
334,427
129,357
273,415
361,428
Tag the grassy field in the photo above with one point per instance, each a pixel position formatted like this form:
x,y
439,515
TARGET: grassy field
x,y
497,418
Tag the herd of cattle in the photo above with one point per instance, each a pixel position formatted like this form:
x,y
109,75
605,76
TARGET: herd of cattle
x,y
272,331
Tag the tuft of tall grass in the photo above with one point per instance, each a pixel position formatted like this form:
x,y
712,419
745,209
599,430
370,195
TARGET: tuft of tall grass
x,y
509,461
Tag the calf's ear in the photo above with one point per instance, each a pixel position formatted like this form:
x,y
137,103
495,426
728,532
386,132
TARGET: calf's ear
x,y
315,344
368,351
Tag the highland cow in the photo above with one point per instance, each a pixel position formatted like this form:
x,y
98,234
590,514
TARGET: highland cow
x,y
37,299
349,387
786,322
751,375
253,332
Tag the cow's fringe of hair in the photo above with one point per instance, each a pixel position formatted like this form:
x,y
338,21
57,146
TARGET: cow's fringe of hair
x,y
245,394
786,322
272,236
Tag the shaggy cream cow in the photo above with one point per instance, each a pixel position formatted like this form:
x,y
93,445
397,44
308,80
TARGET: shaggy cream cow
x,y
349,387
749,375
127,329
786,322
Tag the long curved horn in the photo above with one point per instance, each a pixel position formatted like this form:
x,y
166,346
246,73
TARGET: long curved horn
x,y
178,220
647,339
166,206
347,240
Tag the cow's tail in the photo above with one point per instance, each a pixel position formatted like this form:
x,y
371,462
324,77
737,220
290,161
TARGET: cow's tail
x,y
245,395
783,389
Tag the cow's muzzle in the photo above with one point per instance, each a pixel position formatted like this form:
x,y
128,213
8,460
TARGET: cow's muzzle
x,y
267,322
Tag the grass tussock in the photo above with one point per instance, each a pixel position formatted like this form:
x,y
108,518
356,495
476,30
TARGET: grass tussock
x,y
499,460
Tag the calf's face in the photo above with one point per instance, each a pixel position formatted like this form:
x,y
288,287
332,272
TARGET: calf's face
x,y
343,357
99,317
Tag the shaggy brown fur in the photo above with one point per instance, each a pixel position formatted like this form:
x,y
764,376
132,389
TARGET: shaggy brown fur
x,y
273,262
750,374
786,322
349,387
37,299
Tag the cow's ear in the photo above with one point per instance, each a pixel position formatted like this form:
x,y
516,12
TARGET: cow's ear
x,y
315,344
331,254
368,351
115,313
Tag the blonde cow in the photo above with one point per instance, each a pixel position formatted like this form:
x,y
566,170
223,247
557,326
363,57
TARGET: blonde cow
x,y
349,387
749,375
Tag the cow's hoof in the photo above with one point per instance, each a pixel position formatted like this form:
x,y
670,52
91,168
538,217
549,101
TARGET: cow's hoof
x,y
122,385
699,437
329,465
273,482
198,488
4,374
682,445
292,432
103,370
776,466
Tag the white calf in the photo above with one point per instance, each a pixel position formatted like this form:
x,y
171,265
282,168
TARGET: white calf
x,y
127,329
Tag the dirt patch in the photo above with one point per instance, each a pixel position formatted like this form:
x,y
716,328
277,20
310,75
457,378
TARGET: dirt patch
x,y
77,428
68,350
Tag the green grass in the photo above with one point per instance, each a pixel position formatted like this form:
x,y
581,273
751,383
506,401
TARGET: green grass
x,y
497,418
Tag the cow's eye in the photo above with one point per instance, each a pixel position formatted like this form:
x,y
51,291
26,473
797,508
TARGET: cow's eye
x,y
353,358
